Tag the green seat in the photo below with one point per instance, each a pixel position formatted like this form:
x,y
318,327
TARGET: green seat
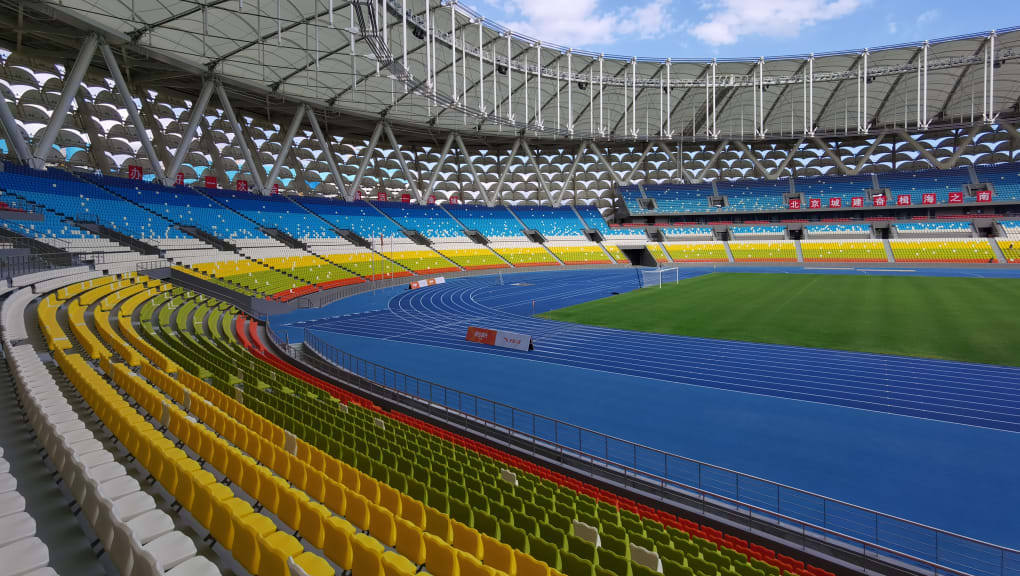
x,y
525,522
477,500
492,493
544,551
631,526
615,563
676,535
500,512
641,540
552,534
703,544
513,502
581,548
668,552
720,560
560,521
671,568
734,556
457,492
765,567
460,512
642,570
589,519
703,566
513,536
688,547
486,523
614,530
535,511
437,500
745,569
616,545
416,490
573,565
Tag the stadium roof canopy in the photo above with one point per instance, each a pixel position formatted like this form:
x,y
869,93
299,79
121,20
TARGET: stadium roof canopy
x,y
418,64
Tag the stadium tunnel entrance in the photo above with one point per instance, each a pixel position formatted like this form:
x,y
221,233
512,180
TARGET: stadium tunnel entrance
x,y
639,256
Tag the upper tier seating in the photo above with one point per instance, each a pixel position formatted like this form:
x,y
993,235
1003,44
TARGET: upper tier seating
x,y
758,231
276,211
552,223
1011,228
841,230
825,188
934,228
79,200
918,184
495,223
358,216
688,233
430,220
1004,178
184,206
595,221
673,198
753,195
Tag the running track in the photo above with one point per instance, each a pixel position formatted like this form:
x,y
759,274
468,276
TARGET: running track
x,y
956,392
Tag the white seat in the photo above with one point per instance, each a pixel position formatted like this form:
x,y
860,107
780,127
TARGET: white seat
x,y
146,527
163,554
8,483
5,466
15,527
118,487
11,503
24,556
197,566
47,571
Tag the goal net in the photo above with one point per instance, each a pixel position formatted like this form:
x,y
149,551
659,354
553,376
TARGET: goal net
x,y
658,276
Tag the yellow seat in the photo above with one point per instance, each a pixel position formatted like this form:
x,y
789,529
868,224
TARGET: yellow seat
x,y
367,555
389,498
383,527
249,532
440,557
466,539
188,485
468,565
315,484
397,565
369,488
528,566
337,541
438,524
331,468
269,488
250,477
237,464
313,564
298,475
313,516
498,555
177,471
357,511
409,541
288,507
335,497
205,496
224,516
349,477
412,510
275,549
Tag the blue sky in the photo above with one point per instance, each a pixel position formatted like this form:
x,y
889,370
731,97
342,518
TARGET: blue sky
x,y
739,28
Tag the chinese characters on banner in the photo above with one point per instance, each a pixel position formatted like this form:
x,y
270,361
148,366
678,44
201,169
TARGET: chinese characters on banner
x,y
903,200
179,180
405,198
835,202
927,198
879,200
210,181
956,197
984,196
454,200
135,172
794,203
815,203
242,185
380,196
432,200
276,187
857,202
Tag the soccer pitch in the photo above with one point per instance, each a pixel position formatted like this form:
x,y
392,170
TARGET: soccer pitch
x,y
967,319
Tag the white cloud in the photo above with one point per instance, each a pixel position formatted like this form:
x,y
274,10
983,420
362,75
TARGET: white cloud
x,y
927,16
578,23
729,20
892,27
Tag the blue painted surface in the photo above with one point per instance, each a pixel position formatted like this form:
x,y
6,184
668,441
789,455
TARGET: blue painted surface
x,y
825,421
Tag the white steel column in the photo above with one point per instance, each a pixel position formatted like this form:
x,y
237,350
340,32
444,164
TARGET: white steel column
x,y
570,173
14,135
509,79
453,50
72,81
471,167
132,110
327,151
197,111
403,32
428,46
541,177
288,140
633,95
395,146
538,89
249,162
602,123
435,171
924,88
372,142
481,74
669,99
497,195
570,92
811,95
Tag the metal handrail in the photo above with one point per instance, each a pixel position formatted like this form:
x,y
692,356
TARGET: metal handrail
x,y
938,543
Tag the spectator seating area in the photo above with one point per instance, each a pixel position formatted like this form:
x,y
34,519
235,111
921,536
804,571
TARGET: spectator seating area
x,y
657,252
753,195
697,251
825,188
594,220
523,254
552,223
1010,228
275,211
918,184
843,251
837,230
1010,248
571,253
429,220
254,462
764,251
495,223
670,198
470,256
688,233
758,231
933,228
616,253
358,216
1004,178
943,250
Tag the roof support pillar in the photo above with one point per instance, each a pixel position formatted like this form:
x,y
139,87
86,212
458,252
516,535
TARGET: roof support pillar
x,y
249,162
372,142
288,140
72,81
430,190
471,167
616,177
400,160
538,171
14,136
570,173
328,153
189,133
497,194
129,104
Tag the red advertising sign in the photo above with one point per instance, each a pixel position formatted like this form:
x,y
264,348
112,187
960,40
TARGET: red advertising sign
x,y
242,185
903,199
956,197
879,200
135,172
210,181
179,180
794,203
454,200
835,202
984,196
815,203
380,196
432,199
928,198
423,283
405,198
276,187
857,202
481,335
357,194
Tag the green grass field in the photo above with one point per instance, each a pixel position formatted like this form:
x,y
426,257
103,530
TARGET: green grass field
x,y
968,319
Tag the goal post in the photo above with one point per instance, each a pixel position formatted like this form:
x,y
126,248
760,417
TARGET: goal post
x,y
653,277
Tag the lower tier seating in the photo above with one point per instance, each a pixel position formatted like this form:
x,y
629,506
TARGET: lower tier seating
x,y
579,253
473,258
521,254
423,261
1010,250
843,251
657,252
616,253
697,251
975,250
764,251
